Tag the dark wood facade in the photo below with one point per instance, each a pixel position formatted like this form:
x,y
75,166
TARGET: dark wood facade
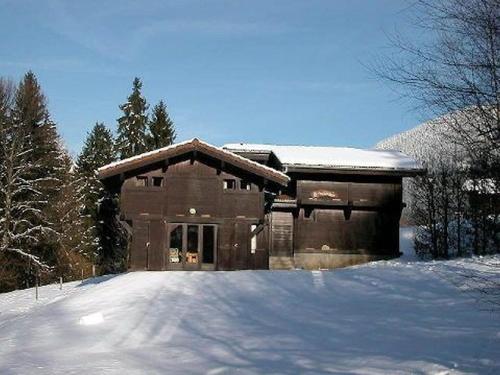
x,y
197,207
336,220
329,217
195,212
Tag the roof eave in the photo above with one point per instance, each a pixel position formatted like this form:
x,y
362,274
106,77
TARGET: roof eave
x,y
237,161
354,170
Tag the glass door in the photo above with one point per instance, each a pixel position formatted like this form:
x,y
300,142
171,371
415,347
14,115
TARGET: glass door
x,y
174,258
191,246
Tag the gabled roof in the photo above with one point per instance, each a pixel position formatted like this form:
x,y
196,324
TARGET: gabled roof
x,y
194,144
335,158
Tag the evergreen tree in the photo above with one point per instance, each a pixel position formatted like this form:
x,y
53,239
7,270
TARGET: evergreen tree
x,y
70,225
30,107
98,150
132,139
112,236
45,157
22,219
161,128
99,206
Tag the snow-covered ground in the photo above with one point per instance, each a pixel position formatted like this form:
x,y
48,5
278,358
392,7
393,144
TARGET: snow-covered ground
x,y
400,316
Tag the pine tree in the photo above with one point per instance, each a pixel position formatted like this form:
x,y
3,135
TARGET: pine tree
x,y
161,128
98,150
132,139
22,220
70,225
46,156
99,207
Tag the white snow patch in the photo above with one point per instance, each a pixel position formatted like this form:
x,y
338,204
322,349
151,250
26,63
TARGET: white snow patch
x,y
401,316
88,320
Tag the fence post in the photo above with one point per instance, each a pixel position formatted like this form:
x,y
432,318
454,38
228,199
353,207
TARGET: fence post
x,y
82,275
93,270
60,282
36,288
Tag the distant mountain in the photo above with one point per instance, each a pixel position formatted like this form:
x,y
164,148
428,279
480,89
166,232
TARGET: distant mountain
x,y
430,142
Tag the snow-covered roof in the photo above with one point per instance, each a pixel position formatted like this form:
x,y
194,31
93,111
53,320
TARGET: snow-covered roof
x,y
334,157
187,146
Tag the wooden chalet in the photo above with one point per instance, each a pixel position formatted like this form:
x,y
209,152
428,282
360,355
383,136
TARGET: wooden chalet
x,y
194,206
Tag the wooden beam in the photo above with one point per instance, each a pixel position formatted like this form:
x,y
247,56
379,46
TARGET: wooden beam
x,y
166,163
222,167
348,210
264,183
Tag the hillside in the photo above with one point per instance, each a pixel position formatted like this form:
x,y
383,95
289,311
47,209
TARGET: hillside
x,y
400,316
429,142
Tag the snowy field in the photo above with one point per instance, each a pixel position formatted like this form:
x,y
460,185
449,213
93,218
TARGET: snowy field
x,y
387,317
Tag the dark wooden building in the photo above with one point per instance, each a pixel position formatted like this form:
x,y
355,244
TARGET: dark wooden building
x,y
194,206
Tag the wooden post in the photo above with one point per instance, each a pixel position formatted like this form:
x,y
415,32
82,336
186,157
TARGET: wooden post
x,y
36,288
93,270
60,282
82,275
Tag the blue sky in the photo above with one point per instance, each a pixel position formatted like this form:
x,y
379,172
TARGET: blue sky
x,y
289,72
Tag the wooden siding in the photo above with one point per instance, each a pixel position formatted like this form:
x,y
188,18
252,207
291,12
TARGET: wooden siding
x,y
338,220
192,191
359,194
282,234
327,230
336,216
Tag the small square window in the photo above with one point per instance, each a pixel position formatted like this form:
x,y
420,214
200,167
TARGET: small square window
x,y
229,184
245,185
141,181
158,181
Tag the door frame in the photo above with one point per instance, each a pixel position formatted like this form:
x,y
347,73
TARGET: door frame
x,y
183,266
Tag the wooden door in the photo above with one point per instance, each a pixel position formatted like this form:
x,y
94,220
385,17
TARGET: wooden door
x,y
155,248
282,234
140,244
240,258
259,253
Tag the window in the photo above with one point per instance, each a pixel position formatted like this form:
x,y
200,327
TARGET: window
x,y
192,244
229,184
208,243
158,181
141,181
245,185
175,251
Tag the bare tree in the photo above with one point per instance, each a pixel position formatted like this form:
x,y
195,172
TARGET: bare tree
x,y
453,72
457,71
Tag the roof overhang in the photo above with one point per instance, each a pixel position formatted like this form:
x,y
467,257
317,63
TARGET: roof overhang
x,y
333,160
193,145
369,171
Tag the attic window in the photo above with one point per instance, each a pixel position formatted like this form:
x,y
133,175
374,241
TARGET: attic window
x,y
245,185
229,184
158,181
141,181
